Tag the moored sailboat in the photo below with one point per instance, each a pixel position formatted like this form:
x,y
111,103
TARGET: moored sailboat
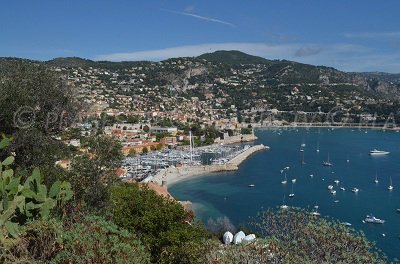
x,y
292,193
285,180
390,187
327,163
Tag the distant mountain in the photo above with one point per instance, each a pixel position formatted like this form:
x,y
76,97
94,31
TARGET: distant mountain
x,y
75,62
70,62
272,73
233,57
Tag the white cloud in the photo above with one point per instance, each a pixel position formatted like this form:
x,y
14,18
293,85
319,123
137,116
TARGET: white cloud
x,y
259,49
372,34
189,9
307,51
209,19
347,57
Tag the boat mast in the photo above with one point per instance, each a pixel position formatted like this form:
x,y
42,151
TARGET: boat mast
x,y
190,146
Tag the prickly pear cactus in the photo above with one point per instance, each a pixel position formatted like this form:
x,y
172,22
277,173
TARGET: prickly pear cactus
x,y
29,199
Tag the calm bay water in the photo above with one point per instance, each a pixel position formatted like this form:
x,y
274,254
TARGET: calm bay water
x,y
228,193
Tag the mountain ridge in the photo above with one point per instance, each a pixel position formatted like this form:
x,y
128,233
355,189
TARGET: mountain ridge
x,y
277,72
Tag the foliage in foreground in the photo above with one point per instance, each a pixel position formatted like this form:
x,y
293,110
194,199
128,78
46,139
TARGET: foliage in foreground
x,y
91,240
21,201
162,224
312,239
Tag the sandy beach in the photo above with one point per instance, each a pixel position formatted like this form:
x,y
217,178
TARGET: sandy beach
x,y
171,175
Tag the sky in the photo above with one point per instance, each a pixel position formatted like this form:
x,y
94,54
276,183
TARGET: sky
x,y
350,35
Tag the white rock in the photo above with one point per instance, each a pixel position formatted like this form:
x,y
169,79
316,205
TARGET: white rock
x,y
237,239
249,237
227,238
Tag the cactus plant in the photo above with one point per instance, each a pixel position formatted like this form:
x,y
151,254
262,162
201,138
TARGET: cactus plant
x,y
30,199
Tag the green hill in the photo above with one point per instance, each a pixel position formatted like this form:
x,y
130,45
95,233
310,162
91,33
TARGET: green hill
x,y
233,57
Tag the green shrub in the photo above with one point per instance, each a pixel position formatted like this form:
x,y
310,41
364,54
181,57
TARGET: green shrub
x,y
313,239
162,224
96,240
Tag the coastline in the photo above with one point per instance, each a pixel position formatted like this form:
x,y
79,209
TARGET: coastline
x,y
324,125
172,175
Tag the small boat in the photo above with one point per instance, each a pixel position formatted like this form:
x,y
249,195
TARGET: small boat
x,y
372,219
284,206
327,163
294,180
346,223
398,210
355,190
291,195
285,180
311,175
376,178
336,201
315,213
342,188
333,192
330,187
376,152
336,181
390,187
301,150
251,185
303,145
302,159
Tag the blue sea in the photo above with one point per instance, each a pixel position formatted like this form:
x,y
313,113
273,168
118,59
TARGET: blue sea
x,y
228,193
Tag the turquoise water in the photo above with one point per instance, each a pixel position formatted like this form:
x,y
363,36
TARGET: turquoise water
x,y
228,193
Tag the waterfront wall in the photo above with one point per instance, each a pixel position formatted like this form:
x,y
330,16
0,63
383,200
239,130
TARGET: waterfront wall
x,y
237,139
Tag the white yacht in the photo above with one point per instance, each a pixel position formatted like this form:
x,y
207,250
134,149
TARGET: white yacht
x,y
376,152
373,219
315,213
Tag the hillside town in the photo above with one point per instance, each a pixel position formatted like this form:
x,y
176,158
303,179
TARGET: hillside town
x,y
225,96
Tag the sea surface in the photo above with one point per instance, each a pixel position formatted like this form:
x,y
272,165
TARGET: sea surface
x,y
228,193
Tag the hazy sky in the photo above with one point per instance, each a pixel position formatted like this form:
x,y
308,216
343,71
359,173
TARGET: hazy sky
x,y
351,35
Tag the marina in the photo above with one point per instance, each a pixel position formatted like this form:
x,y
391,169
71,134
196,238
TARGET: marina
x,y
146,166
